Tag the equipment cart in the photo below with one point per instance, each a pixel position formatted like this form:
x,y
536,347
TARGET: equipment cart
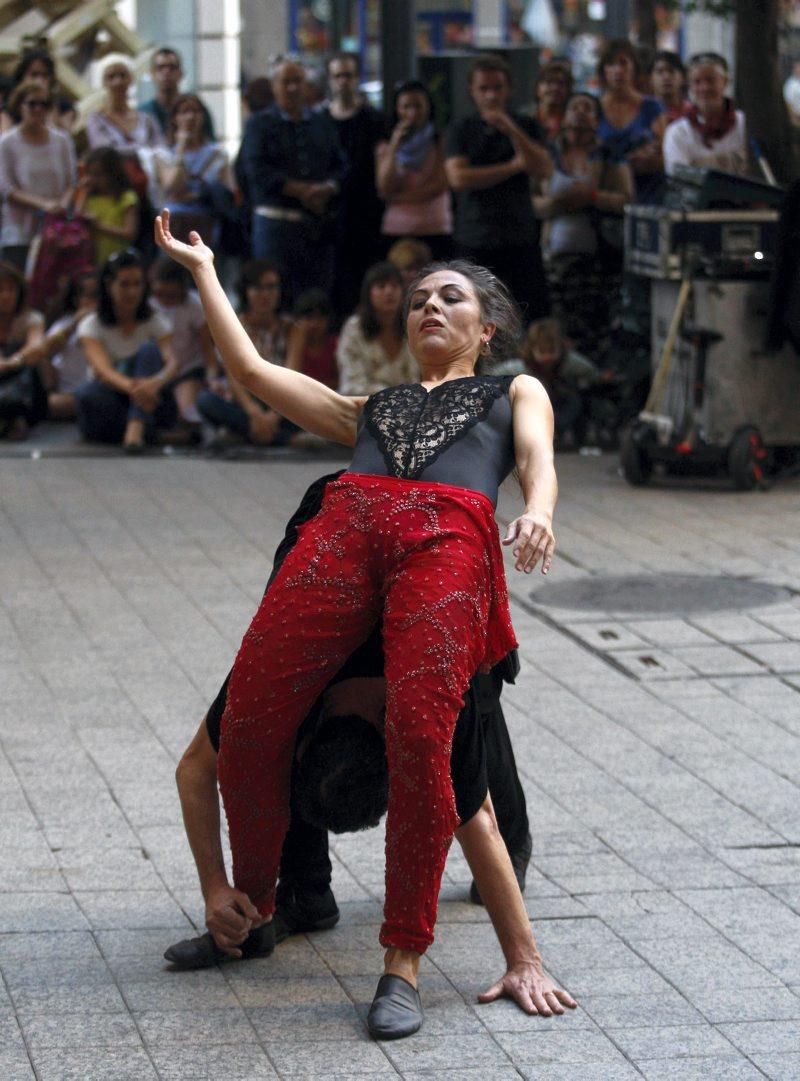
x,y
718,400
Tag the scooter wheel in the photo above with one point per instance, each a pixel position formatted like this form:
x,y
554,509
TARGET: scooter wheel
x,y
637,465
748,459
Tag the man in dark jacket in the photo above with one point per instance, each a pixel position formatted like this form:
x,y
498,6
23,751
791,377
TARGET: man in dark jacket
x,y
294,168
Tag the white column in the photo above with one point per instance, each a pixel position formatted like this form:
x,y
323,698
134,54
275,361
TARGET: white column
x,y
703,33
488,25
217,65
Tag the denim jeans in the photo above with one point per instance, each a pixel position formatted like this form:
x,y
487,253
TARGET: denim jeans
x,y
103,412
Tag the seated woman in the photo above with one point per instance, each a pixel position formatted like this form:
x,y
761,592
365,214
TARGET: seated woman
x,y
582,205
372,352
410,176
230,407
407,536
713,135
312,345
23,400
632,124
63,358
129,349
193,171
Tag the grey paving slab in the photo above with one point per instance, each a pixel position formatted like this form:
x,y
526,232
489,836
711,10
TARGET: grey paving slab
x,y
654,785
779,1067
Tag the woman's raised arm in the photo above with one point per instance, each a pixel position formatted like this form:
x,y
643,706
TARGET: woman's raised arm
x,y
295,396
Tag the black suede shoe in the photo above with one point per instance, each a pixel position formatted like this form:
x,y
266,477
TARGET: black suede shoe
x,y
203,952
396,1010
519,861
305,910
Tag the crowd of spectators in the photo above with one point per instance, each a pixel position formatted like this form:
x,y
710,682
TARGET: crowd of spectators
x,y
324,215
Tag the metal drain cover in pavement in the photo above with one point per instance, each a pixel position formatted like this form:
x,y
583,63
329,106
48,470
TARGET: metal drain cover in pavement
x,y
660,594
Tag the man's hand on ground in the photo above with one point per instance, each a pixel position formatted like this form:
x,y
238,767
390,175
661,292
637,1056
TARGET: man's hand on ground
x,y
532,990
230,917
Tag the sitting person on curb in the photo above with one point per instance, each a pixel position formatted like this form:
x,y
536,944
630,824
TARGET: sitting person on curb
x,y
337,755
129,349
566,375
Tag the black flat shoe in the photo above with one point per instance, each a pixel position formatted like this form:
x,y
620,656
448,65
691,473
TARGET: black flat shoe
x,y
299,911
203,952
396,1010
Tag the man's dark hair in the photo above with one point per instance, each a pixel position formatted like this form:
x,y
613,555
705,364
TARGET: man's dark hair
x,y
166,50
342,779
344,55
489,62
313,302
671,59
165,269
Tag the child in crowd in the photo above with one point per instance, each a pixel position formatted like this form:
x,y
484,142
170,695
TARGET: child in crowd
x,y
566,375
64,362
312,345
105,198
191,339
409,255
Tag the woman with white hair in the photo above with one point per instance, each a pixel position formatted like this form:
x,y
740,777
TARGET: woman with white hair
x,y
118,124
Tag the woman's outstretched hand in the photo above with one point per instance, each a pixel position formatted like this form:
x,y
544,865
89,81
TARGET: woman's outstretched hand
x,y
192,255
532,537
532,989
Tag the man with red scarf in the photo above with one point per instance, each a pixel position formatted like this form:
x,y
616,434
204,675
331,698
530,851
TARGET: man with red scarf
x,y
712,135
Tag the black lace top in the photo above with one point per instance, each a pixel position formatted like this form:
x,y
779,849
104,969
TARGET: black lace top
x,y
459,433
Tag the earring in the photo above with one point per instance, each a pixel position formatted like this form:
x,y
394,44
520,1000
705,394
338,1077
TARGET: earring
x,y
485,350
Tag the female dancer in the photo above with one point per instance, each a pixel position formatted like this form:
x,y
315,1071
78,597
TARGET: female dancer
x,y
407,533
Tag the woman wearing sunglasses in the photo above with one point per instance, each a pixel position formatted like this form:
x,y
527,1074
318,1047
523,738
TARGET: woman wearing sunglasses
x,y
37,169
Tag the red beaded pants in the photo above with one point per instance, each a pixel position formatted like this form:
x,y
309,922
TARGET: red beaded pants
x,y
426,557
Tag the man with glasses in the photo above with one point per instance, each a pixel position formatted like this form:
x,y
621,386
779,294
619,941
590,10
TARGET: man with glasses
x,y
360,128
166,71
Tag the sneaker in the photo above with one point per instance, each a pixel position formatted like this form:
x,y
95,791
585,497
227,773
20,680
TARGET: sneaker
x,y
305,910
519,861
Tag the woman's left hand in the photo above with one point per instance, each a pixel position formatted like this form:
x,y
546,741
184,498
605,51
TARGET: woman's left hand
x,y
532,537
532,989
193,255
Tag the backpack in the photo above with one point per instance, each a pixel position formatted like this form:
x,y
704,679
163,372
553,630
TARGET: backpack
x,y
62,249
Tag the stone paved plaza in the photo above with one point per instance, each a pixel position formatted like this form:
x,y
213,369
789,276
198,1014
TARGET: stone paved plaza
x,y
657,727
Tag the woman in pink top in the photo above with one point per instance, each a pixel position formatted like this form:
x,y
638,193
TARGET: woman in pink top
x,y
410,174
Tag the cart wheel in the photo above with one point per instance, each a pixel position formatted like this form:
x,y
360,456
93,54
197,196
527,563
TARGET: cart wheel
x,y
637,465
747,460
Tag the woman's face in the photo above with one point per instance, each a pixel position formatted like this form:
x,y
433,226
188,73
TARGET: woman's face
x,y
189,118
117,79
34,108
707,86
667,81
619,73
9,296
445,319
264,296
126,290
386,297
412,109
581,114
